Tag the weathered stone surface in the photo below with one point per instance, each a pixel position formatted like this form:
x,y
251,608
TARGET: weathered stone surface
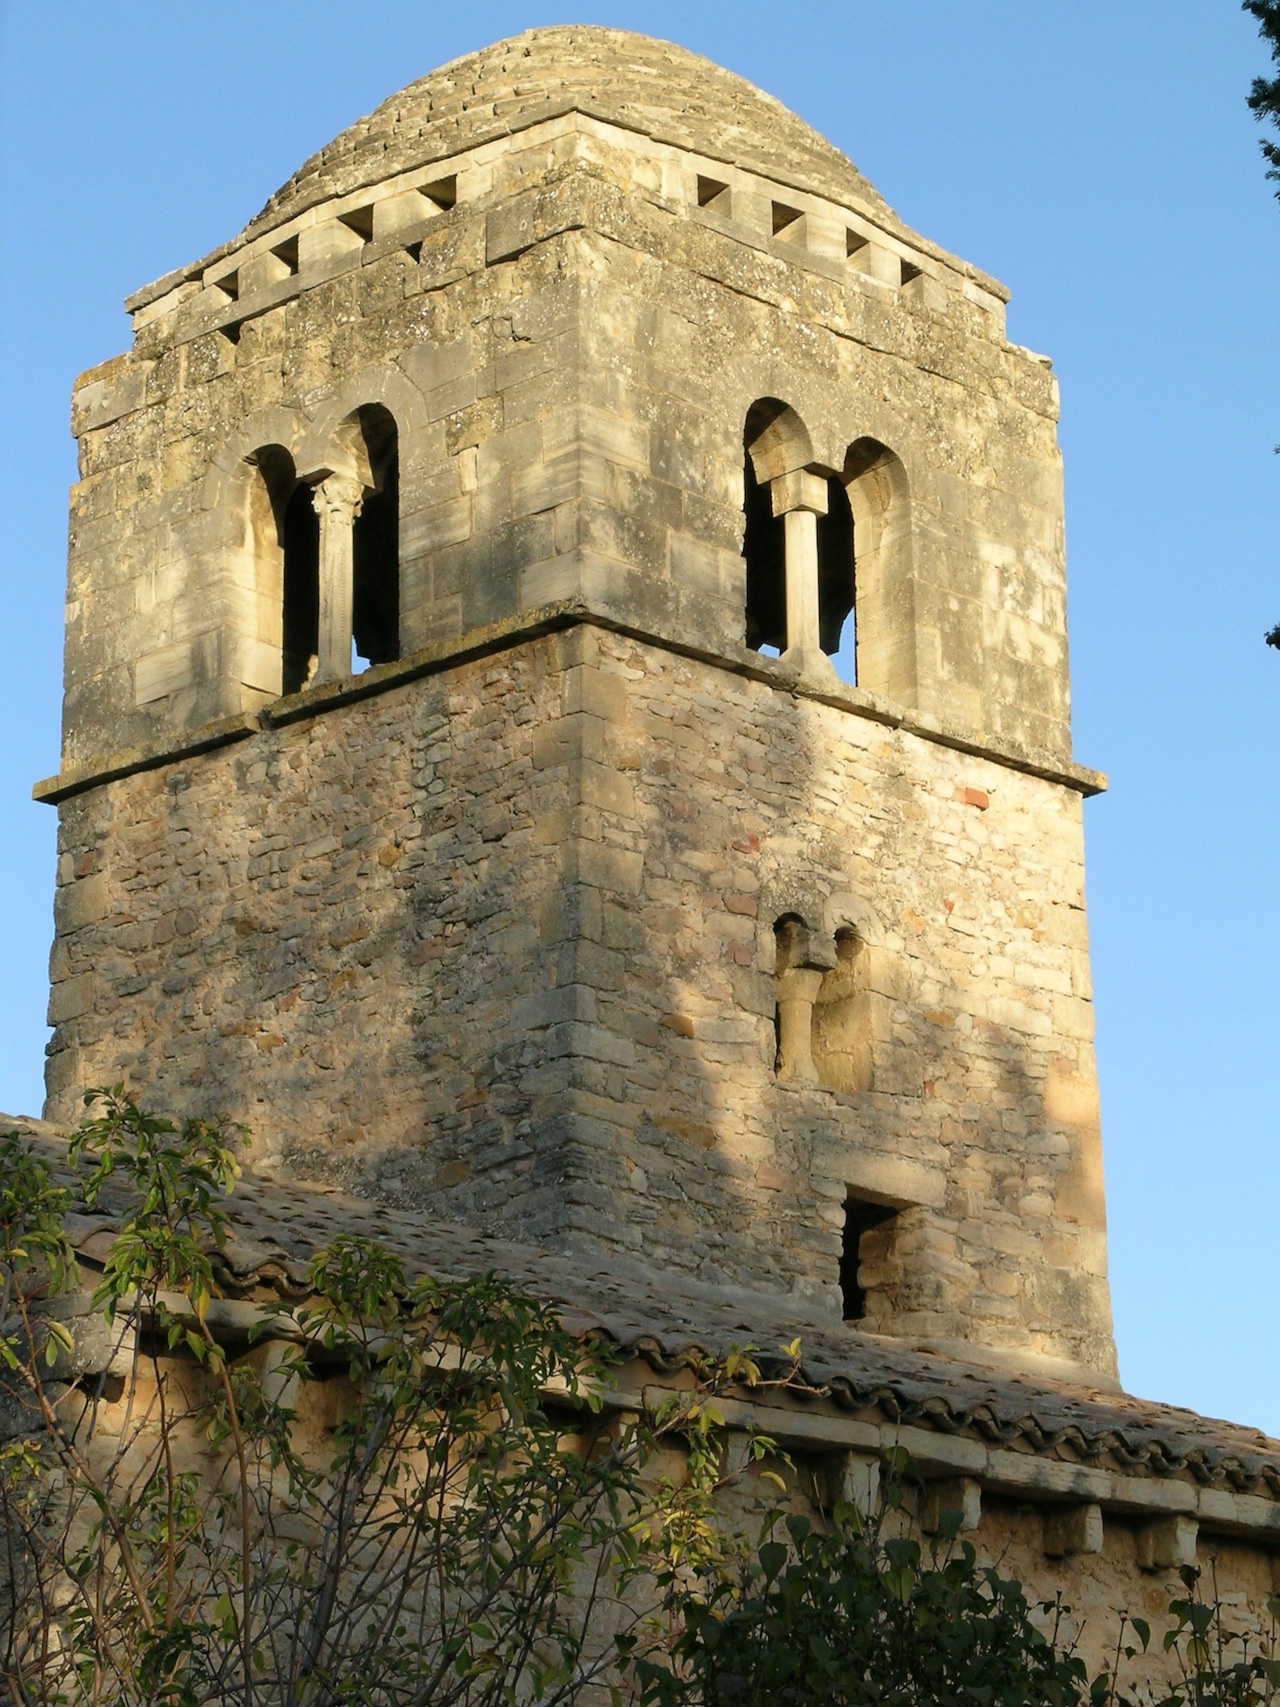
x,y
509,926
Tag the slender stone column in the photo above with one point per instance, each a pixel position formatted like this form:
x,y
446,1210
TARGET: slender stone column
x,y
797,991
337,500
801,534
800,498
797,980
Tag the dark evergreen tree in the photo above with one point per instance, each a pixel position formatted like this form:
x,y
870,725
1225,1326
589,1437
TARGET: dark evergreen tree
x,y
1264,97
1264,104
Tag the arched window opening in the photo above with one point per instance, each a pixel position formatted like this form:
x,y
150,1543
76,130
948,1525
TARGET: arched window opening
x,y
282,615
837,601
763,547
775,443
375,568
300,622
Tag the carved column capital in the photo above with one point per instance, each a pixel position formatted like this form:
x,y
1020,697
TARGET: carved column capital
x,y
338,498
799,490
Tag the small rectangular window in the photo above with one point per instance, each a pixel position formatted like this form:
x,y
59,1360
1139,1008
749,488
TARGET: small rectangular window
x,y
910,271
229,285
860,1219
713,194
854,243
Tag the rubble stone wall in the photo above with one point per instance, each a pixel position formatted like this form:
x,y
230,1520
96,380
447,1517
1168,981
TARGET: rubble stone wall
x,y
503,939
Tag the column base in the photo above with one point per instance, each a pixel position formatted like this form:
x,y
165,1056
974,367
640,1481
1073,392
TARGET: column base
x,y
812,666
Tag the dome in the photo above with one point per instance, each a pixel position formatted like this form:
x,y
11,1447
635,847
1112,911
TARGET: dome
x,y
630,80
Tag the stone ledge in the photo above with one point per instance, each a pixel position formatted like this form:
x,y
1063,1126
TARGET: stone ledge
x,y
1024,1476
129,760
512,631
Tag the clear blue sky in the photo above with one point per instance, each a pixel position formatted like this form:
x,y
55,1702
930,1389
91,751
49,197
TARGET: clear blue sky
x,y
1097,157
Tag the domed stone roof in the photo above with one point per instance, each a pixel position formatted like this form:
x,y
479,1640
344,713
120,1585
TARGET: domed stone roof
x,y
630,80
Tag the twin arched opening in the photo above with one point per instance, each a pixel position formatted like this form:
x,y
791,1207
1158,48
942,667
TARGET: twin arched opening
x,y
325,547
827,554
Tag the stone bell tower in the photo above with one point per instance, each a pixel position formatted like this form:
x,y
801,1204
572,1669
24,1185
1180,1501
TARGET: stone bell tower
x,y
566,709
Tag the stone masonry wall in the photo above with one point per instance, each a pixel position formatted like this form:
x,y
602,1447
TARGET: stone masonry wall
x,y
494,926
731,804
501,940
569,354
323,932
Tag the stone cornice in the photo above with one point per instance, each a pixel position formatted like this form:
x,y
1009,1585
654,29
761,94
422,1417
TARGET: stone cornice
x,y
514,631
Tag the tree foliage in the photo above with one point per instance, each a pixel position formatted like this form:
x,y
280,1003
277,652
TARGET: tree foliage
x,y
850,1615
404,1492
1264,104
1264,96
414,1493
862,1612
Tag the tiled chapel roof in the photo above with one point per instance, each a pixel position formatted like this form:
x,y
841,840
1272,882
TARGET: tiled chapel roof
x,y
667,1321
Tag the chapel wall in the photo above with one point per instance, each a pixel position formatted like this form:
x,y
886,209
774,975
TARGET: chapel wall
x,y
967,1095
1086,1569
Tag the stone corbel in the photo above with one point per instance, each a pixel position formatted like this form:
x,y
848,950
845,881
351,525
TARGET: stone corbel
x,y
1167,1543
1072,1529
853,1479
959,1494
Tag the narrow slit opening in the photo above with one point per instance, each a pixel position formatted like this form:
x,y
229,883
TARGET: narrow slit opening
x,y
300,538
764,549
376,548
837,624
